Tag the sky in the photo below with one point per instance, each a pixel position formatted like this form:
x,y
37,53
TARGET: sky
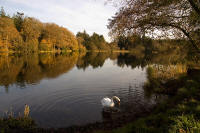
x,y
75,15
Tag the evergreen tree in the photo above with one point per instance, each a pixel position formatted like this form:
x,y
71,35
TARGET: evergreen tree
x,y
2,12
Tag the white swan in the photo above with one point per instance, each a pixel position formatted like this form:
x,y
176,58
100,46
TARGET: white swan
x,y
107,102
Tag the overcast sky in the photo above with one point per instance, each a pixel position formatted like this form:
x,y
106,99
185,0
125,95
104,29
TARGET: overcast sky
x,y
75,15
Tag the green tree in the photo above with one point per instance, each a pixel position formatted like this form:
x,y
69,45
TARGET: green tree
x,y
99,41
2,12
94,42
85,38
18,20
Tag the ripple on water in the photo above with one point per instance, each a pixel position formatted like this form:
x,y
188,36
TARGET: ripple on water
x,y
69,100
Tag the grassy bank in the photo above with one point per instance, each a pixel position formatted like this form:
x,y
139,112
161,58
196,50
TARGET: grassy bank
x,y
19,124
180,113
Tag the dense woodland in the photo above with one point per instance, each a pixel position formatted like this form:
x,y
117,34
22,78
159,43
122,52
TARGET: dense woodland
x,y
20,33
27,34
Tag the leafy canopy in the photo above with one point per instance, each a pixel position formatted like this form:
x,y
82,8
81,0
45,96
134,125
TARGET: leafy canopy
x,y
178,18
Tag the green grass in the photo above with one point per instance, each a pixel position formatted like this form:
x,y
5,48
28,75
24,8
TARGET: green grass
x,y
20,124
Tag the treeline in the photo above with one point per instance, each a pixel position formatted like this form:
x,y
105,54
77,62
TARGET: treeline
x,y
94,42
132,41
27,34
138,44
21,33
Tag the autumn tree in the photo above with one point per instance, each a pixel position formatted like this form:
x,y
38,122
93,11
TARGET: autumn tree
x,y
9,36
178,18
30,31
48,36
57,37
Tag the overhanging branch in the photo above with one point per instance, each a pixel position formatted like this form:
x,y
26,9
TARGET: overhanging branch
x,y
194,6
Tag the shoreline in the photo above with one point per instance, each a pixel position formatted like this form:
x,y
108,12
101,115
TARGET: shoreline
x,y
179,113
68,51
118,122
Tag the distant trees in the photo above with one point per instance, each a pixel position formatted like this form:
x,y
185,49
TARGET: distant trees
x,y
94,42
130,42
114,45
28,34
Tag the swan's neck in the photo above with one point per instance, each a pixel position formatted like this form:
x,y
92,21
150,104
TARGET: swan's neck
x,y
112,103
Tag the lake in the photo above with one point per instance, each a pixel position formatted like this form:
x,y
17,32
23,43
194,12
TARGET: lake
x,y
66,89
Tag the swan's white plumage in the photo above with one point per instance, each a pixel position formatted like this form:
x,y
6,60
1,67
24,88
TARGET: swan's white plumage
x,y
107,102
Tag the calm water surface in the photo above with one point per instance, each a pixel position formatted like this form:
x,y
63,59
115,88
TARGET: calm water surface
x,y
66,90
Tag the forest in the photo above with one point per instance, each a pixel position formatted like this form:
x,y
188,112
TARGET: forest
x,y
28,34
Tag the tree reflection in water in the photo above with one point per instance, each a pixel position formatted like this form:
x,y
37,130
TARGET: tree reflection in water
x,y
30,69
127,83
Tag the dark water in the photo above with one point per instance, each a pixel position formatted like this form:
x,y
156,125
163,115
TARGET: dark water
x,y
64,90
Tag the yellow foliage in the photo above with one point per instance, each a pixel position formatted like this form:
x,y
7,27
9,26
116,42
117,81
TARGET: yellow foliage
x,y
9,35
26,110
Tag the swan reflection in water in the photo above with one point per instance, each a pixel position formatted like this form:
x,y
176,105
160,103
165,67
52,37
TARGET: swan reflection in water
x,y
110,108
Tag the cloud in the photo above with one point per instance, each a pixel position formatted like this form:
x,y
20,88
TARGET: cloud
x,y
76,15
